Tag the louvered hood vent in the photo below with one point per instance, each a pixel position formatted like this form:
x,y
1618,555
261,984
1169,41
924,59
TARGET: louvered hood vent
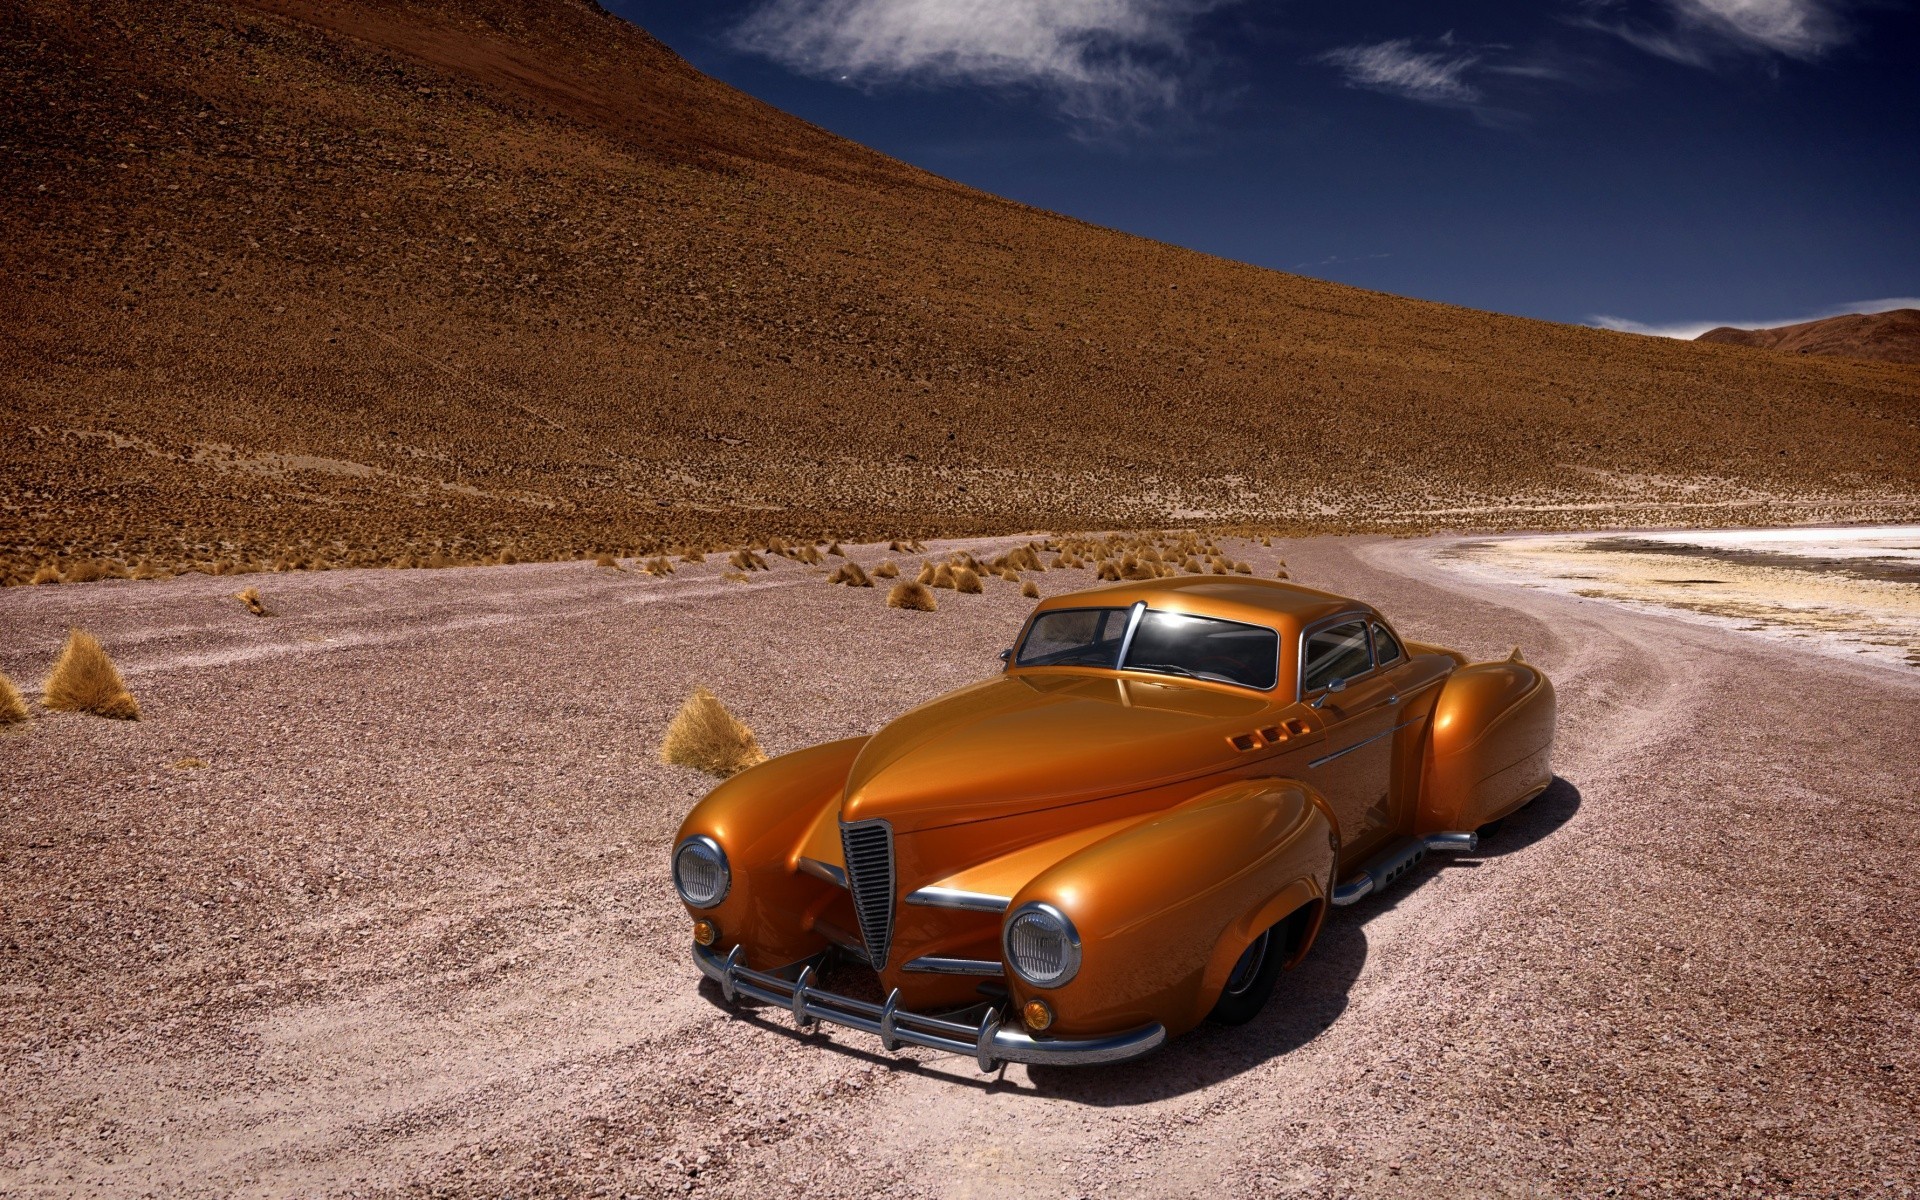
x,y
868,846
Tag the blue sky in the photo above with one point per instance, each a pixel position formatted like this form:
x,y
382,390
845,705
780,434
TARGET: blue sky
x,y
1664,165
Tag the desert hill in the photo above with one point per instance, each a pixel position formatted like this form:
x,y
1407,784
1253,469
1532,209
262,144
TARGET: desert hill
x,y
313,281
1892,336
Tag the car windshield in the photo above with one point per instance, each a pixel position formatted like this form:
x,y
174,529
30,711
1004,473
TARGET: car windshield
x,y
1074,637
1165,644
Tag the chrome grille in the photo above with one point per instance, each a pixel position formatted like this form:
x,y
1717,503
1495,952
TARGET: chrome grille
x,y
868,846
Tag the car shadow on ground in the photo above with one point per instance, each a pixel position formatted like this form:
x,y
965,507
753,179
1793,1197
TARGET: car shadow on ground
x,y
1308,1000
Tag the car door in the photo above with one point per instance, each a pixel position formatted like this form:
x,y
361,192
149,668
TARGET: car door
x,y
1353,766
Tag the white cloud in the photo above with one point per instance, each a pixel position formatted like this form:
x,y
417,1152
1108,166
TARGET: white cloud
x,y
1430,76
1693,329
1696,32
1106,61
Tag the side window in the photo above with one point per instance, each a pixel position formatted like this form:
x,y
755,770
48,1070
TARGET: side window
x,y
1386,648
1338,652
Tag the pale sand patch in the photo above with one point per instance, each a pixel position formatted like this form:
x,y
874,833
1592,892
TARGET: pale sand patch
x,y
1852,591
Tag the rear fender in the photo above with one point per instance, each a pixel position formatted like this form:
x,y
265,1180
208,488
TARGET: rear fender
x,y
1491,745
760,817
1165,907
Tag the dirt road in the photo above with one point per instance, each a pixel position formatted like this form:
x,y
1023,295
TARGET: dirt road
x,y
408,930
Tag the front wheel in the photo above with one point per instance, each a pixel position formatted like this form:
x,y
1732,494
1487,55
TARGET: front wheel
x,y
1251,981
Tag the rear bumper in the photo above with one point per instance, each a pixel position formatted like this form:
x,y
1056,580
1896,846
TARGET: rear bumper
x,y
987,1042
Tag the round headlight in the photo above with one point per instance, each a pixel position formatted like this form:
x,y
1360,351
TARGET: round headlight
x,y
700,872
1042,946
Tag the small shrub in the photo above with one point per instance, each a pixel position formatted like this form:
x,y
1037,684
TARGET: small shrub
x,y
1190,565
836,551
1282,574
659,564
943,576
967,580
251,598
1108,569
1241,568
85,680
705,736
693,556
13,706
606,560
1030,590
48,574
914,596
850,574
747,560
886,570
925,578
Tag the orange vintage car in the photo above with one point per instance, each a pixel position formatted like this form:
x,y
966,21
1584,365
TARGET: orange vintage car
x,y
1135,826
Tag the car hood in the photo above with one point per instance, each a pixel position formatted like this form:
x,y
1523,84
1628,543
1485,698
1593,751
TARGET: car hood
x,y
1035,740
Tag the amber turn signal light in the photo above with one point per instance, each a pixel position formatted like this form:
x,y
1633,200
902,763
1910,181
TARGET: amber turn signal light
x,y
1037,1015
706,932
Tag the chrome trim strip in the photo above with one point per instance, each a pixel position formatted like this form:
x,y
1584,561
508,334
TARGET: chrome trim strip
x,y
827,871
1453,843
1327,758
986,1042
946,897
1126,639
933,964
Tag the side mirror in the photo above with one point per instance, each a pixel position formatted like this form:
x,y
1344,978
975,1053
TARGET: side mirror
x,y
1338,685
1006,655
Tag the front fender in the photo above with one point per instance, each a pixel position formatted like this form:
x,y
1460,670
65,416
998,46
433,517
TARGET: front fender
x,y
759,817
1164,908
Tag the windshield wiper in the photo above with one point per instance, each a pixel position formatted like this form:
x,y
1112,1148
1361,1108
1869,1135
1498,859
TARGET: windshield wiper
x,y
1176,669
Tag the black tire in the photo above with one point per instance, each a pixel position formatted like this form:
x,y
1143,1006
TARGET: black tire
x,y
1491,829
1250,984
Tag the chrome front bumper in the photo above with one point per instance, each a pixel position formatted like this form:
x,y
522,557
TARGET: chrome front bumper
x,y
987,1042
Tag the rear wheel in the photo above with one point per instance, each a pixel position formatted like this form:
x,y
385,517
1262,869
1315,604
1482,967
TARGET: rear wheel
x,y
1251,981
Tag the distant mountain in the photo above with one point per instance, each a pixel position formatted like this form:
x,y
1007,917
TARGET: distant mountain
x,y
364,281
1887,336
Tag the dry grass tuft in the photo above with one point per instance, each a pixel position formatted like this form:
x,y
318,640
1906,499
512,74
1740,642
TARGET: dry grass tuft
x,y
705,736
606,560
915,596
1108,569
188,764
659,564
251,598
886,570
1009,574
85,680
942,576
13,706
1241,568
48,574
836,551
747,560
926,575
966,579
851,575
1030,590
693,556
735,576
1282,574
1190,565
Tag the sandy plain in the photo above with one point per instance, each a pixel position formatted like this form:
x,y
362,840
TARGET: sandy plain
x,y
408,931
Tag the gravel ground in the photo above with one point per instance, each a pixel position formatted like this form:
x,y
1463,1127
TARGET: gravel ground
x,y
408,931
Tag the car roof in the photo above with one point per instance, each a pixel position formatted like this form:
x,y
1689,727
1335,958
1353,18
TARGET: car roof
x,y
1286,606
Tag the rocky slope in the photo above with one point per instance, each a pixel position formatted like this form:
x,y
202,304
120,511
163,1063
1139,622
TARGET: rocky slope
x,y
415,280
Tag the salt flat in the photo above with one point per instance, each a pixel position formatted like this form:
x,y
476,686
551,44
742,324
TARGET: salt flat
x,y
1850,590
